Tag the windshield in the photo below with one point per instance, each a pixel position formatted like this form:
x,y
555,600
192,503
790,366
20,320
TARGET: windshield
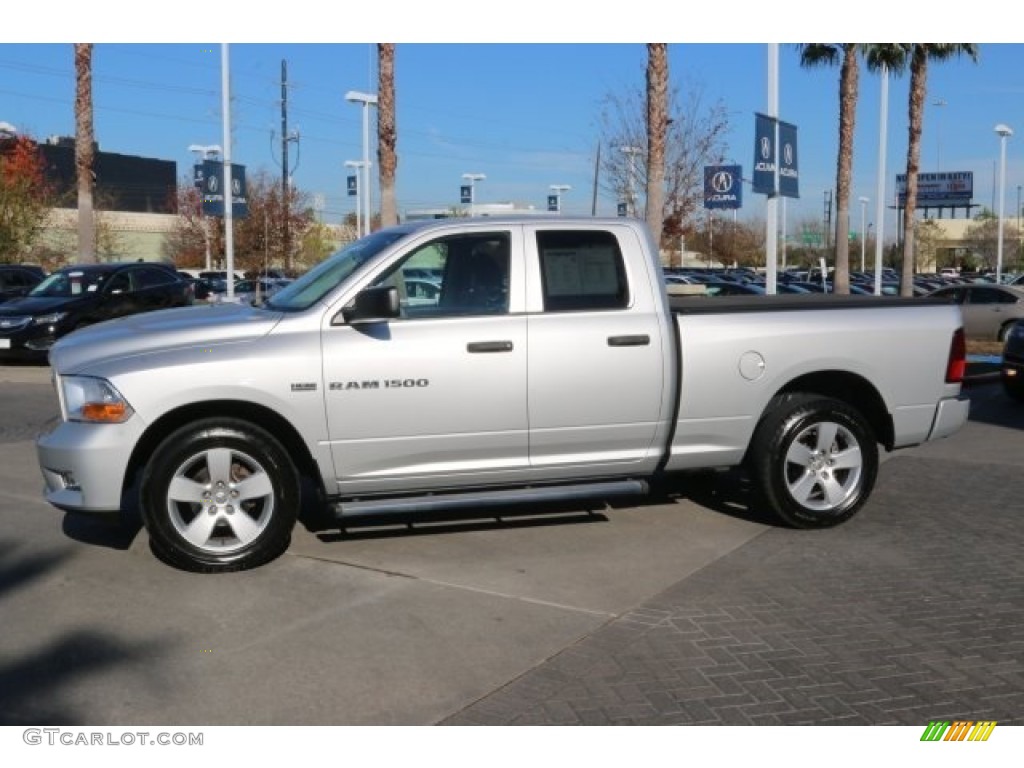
x,y
328,274
65,284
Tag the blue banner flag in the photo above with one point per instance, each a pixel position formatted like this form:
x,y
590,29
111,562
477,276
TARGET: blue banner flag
x,y
789,174
353,186
723,187
211,185
764,155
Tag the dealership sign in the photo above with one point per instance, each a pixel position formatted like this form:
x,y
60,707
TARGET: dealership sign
x,y
723,187
954,188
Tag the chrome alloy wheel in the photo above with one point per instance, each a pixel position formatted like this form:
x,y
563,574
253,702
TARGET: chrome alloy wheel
x,y
823,466
220,500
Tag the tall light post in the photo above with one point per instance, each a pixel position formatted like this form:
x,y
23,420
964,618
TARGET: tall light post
x,y
366,99
883,119
938,133
558,189
1004,132
205,152
358,165
473,178
631,153
863,230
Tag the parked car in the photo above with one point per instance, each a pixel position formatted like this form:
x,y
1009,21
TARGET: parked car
x,y
81,295
18,279
249,291
988,309
1012,371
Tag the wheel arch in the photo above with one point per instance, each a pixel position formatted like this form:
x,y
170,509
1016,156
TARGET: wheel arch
x,y
850,388
259,415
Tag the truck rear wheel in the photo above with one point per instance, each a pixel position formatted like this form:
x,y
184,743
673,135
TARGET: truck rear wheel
x,y
219,495
813,460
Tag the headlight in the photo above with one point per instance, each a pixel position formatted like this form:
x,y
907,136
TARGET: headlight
x,y
85,398
50,319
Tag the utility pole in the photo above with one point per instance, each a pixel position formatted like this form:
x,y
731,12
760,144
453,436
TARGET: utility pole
x,y
285,175
597,171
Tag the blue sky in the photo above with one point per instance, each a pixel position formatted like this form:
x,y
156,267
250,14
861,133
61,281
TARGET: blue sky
x,y
524,113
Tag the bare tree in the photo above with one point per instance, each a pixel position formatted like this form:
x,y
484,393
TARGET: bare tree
x,y
695,137
84,153
657,133
387,133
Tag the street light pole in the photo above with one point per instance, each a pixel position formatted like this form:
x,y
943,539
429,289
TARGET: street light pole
x,y
631,152
1004,132
357,165
473,178
863,231
366,99
558,189
883,119
938,134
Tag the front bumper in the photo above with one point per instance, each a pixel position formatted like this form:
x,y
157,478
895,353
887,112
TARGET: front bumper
x,y
84,465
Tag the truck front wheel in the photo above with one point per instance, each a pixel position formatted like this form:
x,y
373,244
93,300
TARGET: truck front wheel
x,y
219,495
813,460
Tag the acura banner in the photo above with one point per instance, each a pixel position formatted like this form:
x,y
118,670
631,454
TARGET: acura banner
x,y
767,154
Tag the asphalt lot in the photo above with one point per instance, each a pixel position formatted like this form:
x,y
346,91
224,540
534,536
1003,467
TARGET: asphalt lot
x,y
684,609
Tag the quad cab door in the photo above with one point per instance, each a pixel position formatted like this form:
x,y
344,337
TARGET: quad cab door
x,y
436,396
601,356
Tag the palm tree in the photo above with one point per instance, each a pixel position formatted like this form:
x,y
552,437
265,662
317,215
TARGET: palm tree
x,y
816,54
387,134
657,130
84,155
920,54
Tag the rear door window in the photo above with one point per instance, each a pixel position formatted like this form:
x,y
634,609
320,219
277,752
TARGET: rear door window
x,y
581,271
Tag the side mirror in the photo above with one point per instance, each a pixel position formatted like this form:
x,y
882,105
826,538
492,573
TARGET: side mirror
x,y
373,305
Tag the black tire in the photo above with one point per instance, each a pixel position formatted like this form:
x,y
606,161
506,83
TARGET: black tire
x,y
219,495
813,460
1003,330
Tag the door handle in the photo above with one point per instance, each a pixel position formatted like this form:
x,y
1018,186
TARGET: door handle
x,y
637,340
477,347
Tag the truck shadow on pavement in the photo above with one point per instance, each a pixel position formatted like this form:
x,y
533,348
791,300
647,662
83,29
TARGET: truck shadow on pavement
x,y
34,679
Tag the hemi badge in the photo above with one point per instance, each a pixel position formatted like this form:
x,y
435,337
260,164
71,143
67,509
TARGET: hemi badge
x,y
305,387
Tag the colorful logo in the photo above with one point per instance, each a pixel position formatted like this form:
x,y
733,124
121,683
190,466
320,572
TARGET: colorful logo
x,y
959,730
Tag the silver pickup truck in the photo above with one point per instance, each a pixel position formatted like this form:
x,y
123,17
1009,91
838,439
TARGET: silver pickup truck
x,y
477,362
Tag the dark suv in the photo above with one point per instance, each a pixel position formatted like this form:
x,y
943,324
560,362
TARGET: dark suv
x,y
18,279
82,295
1012,371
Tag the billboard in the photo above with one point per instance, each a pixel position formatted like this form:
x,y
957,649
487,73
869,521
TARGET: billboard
x,y
951,188
723,187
